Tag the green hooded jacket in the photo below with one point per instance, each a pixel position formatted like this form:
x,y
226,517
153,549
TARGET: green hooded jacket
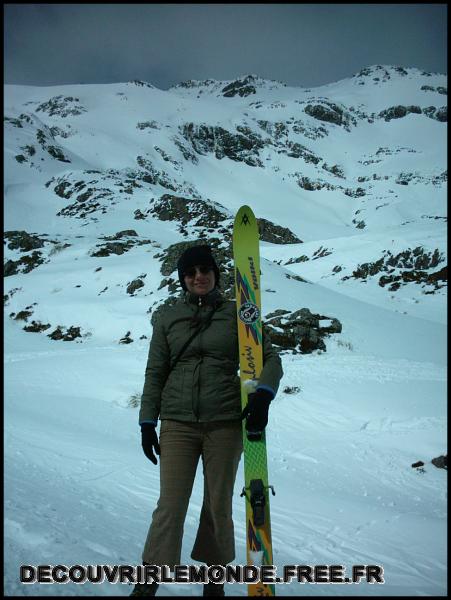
x,y
204,384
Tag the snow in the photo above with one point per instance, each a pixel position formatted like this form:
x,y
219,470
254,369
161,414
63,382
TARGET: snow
x,y
80,491
78,488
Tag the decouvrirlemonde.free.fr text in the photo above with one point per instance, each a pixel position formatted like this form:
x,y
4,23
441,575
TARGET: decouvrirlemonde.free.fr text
x,y
246,574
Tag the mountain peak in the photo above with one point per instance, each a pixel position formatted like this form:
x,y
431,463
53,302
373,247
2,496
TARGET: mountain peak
x,y
242,86
386,72
139,83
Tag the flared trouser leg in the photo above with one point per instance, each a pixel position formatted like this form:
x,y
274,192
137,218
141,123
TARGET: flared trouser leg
x,y
215,539
182,444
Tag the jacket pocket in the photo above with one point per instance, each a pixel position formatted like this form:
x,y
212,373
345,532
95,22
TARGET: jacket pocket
x,y
220,394
177,396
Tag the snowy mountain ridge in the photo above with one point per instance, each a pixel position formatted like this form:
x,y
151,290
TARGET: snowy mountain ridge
x,y
105,185
343,172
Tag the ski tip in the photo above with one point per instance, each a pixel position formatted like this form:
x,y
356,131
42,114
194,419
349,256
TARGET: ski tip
x,y
245,208
245,216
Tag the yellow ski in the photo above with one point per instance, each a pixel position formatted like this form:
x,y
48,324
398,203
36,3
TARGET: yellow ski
x,y
248,304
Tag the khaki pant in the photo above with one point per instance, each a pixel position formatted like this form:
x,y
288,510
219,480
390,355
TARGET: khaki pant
x,y
220,445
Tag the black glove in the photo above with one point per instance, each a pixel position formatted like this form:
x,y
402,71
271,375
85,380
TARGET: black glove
x,y
149,441
256,411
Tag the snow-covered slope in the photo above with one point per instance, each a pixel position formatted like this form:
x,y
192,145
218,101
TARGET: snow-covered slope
x,y
102,185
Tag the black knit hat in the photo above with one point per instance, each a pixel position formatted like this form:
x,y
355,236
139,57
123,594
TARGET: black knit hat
x,y
196,255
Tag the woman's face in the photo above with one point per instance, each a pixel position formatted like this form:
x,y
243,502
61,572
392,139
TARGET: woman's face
x,y
200,280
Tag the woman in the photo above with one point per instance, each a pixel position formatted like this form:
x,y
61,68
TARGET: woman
x,y
191,384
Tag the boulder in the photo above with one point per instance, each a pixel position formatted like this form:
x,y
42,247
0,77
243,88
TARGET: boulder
x,y
300,331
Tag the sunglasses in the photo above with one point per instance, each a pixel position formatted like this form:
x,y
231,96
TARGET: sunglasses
x,y
203,270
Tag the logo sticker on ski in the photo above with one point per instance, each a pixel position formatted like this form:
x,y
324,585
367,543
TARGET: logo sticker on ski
x,y
249,313
248,310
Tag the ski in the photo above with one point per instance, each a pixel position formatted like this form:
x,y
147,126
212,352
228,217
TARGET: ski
x,y
248,305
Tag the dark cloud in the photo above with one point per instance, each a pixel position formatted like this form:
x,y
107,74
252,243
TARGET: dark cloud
x,y
300,44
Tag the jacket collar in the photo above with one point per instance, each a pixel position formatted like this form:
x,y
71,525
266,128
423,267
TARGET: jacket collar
x,y
213,298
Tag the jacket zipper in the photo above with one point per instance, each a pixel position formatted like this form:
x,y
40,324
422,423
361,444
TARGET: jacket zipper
x,y
196,412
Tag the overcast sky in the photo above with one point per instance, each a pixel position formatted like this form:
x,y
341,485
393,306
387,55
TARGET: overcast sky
x,y
164,44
